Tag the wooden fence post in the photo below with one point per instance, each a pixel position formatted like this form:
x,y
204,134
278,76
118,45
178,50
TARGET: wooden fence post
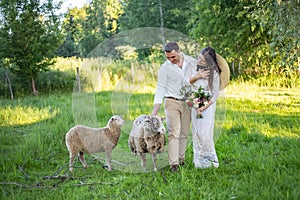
x,y
232,69
78,79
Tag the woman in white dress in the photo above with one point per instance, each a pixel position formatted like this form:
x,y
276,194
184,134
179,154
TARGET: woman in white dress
x,y
208,76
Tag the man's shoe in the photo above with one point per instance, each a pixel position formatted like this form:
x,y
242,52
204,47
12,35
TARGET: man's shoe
x,y
174,168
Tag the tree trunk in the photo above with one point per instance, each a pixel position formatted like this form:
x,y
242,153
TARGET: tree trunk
x,y
161,21
35,92
9,85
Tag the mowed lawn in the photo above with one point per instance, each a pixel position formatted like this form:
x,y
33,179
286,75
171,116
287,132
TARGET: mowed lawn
x,y
257,141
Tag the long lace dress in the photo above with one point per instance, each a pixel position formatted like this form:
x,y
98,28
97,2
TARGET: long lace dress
x,y
203,128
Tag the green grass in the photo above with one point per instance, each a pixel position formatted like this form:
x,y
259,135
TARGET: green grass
x,y
258,150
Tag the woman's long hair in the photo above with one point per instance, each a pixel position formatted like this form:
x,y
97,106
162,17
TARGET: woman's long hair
x,y
212,64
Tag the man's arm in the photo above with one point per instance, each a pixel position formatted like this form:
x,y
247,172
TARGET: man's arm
x,y
156,108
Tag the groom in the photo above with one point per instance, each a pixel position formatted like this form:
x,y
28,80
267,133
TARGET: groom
x,y
172,76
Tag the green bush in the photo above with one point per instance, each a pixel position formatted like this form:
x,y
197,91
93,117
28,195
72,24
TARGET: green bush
x,y
51,81
60,78
46,82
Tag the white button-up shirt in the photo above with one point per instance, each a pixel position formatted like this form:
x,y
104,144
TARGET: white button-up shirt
x,y
172,78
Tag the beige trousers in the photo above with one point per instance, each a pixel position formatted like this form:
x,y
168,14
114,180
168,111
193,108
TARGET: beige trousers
x,y
178,119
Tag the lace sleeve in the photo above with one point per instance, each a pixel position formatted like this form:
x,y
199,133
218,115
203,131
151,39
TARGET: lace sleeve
x,y
216,87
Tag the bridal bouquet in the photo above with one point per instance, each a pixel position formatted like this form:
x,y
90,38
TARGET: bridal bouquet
x,y
195,97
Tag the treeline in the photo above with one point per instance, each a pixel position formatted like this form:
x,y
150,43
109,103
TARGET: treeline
x,y
256,37
260,39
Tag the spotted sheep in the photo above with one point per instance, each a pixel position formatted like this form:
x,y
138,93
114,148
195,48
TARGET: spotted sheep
x,y
147,136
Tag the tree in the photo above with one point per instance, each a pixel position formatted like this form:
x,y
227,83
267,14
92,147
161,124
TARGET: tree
x,y
72,29
227,25
100,23
261,36
30,35
283,18
155,13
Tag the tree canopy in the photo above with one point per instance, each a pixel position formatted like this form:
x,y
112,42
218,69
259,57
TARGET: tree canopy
x,y
258,38
254,36
260,34
30,35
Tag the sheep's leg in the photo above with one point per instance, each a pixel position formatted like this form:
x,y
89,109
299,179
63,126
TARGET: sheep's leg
x,y
72,157
143,160
108,159
154,161
82,160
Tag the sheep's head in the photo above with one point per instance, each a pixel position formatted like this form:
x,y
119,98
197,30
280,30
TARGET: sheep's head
x,y
116,120
153,124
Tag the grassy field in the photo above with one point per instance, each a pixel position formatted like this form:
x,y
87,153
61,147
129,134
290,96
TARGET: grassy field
x,y
258,151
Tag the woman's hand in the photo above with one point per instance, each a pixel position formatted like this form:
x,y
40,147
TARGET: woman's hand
x,y
202,74
200,110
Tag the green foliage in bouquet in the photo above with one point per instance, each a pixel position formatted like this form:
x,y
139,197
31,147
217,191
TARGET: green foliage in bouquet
x,y
195,97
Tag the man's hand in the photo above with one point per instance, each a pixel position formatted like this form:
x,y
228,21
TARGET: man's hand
x,y
155,109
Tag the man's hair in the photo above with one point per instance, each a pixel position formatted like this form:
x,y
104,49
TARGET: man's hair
x,y
170,46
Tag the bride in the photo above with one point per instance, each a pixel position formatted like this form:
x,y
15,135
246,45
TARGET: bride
x,y
210,76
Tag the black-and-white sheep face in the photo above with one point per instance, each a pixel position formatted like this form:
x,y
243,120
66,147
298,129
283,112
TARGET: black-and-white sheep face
x,y
154,124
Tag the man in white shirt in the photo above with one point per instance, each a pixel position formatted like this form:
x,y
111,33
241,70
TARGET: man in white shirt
x,y
172,76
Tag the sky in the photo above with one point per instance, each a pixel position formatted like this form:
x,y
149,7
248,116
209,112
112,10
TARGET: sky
x,y
71,4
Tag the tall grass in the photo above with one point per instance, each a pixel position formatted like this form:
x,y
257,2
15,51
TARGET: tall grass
x,y
258,150
104,74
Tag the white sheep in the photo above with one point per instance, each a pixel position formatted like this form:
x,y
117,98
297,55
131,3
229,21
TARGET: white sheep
x,y
147,136
82,139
